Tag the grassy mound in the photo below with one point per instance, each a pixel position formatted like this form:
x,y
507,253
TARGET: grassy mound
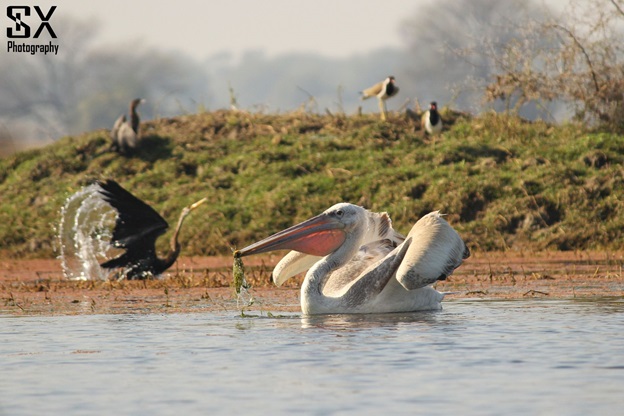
x,y
504,183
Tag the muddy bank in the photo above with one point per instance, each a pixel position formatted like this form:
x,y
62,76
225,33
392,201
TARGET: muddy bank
x,y
203,284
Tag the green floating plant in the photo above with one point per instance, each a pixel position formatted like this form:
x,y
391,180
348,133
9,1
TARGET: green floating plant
x,y
239,273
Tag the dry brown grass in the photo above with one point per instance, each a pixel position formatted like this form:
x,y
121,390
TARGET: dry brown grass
x,y
37,287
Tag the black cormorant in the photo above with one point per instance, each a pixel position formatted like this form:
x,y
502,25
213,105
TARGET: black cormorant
x,y
136,229
125,135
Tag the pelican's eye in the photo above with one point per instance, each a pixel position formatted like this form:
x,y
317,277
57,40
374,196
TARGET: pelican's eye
x,y
339,213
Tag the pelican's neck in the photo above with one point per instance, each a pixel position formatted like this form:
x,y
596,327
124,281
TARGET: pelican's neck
x,y
312,298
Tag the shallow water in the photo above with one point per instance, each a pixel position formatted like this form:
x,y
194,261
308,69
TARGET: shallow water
x,y
474,357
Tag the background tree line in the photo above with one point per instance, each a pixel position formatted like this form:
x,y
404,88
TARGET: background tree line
x,y
472,55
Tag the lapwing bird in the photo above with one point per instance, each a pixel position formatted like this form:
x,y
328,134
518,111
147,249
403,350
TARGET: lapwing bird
x,y
382,90
431,122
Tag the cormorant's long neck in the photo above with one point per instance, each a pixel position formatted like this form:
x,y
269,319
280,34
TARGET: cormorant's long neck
x,y
174,245
169,259
134,117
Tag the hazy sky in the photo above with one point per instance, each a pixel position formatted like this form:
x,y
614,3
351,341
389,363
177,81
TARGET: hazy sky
x,y
202,28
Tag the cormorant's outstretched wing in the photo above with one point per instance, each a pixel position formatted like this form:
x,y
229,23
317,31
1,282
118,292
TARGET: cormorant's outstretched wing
x,y
115,131
137,225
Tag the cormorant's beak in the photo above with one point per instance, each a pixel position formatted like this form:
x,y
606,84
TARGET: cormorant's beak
x,y
187,210
196,204
317,236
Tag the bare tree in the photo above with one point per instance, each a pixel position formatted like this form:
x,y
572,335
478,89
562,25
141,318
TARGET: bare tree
x,y
576,58
39,90
86,87
446,41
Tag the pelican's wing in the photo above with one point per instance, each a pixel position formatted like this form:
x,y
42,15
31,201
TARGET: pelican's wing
x,y
295,262
375,277
436,251
137,223
379,241
372,91
365,259
381,229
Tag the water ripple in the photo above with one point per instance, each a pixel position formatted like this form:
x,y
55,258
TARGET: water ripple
x,y
473,357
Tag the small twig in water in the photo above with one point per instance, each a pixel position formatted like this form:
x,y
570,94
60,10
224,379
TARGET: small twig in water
x,y
535,292
476,292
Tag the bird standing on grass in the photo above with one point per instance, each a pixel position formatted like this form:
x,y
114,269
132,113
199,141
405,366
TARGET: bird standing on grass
x,y
431,122
382,90
136,229
125,135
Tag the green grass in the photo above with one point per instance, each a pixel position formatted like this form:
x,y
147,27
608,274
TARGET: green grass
x,y
504,183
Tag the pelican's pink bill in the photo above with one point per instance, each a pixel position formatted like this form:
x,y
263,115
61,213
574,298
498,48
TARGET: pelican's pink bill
x,y
317,236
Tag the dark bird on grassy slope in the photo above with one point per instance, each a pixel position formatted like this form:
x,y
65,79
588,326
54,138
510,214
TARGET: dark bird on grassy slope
x,y
382,90
136,229
431,121
125,135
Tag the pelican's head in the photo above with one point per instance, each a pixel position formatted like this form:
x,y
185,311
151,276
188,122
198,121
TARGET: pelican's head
x,y
377,226
318,236
347,214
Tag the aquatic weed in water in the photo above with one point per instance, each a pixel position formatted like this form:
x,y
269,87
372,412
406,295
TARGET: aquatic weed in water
x,y
243,297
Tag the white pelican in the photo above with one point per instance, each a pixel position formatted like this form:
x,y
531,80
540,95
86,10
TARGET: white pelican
x,y
359,264
431,121
125,135
382,90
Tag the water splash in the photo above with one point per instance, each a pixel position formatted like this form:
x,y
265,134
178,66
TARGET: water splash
x,y
244,299
84,235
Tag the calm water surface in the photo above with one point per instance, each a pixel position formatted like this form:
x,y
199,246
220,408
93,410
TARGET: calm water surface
x,y
474,357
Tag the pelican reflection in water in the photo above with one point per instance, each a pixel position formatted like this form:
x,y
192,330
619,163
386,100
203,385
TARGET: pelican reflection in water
x,y
357,263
